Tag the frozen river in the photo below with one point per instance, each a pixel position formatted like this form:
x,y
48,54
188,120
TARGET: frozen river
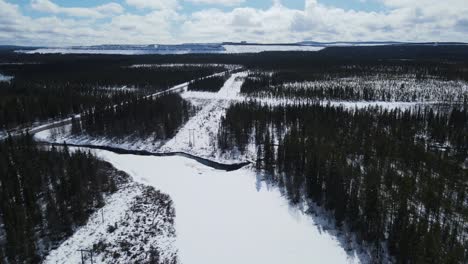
x,y
230,217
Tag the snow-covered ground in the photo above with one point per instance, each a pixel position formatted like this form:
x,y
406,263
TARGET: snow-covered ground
x,y
37,127
261,48
232,217
171,49
89,51
405,88
197,97
5,78
198,135
126,230
62,134
17,63
172,65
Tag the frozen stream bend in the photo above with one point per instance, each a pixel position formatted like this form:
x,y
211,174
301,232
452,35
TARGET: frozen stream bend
x,y
231,217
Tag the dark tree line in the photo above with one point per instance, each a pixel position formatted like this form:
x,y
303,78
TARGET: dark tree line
x,y
28,103
212,84
141,117
45,195
376,171
105,73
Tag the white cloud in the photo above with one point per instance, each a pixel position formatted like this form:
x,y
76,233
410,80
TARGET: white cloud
x,y
240,24
162,22
48,6
218,2
153,4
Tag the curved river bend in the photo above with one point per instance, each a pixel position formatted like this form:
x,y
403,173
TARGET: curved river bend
x,y
230,217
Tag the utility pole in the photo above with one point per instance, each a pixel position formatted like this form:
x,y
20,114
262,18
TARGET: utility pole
x,y
82,258
90,252
191,137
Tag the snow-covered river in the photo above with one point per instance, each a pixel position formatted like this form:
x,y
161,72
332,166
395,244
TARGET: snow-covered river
x,y
230,217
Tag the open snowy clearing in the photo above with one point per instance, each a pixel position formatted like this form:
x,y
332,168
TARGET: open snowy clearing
x,y
232,217
198,135
272,101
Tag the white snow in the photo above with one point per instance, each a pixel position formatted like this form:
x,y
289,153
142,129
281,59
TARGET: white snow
x,y
85,237
198,135
261,48
62,134
117,212
83,51
41,128
174,50
196,97
405,88
5,78
172,65
231,217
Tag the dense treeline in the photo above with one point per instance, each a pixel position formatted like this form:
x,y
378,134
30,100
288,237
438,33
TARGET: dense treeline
x,y
105,74
212,84
141,117
23,105
360,86
45,195
44,91
385,174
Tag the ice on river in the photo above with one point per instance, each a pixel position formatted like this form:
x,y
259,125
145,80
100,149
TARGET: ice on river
x,y
231,217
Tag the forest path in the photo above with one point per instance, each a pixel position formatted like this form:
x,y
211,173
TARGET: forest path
x,y
198,135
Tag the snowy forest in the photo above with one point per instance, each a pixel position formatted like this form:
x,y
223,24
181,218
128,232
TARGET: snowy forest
x,y
140,117
392,176
362,150
212,84
40,92
364,86
46,194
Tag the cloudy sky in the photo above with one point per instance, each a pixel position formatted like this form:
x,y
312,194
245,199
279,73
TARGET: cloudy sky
x,y
86,22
